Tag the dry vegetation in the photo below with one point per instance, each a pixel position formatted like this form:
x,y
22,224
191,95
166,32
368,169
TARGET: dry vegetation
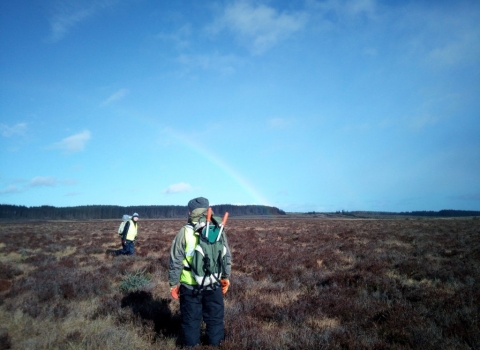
x,y
296,284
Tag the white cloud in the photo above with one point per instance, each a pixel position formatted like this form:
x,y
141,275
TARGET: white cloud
x,y
36,182
348,8
115,97
328,14
178,188
17,129
444,36
74,143
68,14
258,26
464,49
10,189
42,181
180,38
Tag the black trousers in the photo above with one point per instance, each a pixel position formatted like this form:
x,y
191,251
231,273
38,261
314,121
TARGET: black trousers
x,y
193,306
127,249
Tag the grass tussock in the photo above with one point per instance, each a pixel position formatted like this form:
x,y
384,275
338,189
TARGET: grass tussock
x,y
134,281
296,284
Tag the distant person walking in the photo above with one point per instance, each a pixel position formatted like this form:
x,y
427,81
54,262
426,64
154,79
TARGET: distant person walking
x,y
129,234
197,301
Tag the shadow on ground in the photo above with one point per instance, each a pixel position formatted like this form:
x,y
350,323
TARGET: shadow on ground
x,y
148,309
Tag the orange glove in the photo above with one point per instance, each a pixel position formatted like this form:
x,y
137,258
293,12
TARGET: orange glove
x,y
225,285
175,292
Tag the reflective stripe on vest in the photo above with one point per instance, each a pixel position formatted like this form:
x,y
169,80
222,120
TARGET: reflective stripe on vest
x,y
132,231
191,241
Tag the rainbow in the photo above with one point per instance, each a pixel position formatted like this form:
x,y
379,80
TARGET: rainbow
x,y
256,196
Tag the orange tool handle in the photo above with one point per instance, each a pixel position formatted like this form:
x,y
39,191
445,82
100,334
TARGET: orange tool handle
x,y
225,218
209,214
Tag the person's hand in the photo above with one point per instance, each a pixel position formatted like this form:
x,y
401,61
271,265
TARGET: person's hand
x,y
175,292
225,285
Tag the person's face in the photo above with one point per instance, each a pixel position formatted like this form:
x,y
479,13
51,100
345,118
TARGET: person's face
x,y
135,218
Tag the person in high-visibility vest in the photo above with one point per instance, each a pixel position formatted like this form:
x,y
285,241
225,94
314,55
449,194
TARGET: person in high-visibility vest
x,y
129,234
196,303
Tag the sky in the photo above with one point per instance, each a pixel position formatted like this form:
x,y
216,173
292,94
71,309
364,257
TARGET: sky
x,y
305,105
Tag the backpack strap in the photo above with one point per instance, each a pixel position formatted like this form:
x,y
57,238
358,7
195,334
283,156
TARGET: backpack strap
x,y
206,261
206,266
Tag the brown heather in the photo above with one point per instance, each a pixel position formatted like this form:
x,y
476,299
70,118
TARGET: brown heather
x,y
297,283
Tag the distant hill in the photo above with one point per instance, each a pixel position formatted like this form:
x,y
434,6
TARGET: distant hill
x,y
89,212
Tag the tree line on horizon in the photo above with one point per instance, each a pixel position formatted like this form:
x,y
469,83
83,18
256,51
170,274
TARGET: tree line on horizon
x,y
445,213
92,212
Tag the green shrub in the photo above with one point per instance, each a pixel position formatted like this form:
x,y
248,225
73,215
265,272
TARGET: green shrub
x,y
133,281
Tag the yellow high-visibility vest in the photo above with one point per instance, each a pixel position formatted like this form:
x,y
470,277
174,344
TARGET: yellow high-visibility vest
x,y
191,241
132,231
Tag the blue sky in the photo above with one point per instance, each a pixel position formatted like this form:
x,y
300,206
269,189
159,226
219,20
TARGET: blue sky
x,y
304,105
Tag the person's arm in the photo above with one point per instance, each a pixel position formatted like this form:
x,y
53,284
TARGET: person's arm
x,y
228,259
125,230
177,254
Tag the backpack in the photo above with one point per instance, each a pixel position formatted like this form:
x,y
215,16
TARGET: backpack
x,y
125,218
208,261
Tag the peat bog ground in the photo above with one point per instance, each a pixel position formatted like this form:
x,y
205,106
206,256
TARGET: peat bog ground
x,y
297,283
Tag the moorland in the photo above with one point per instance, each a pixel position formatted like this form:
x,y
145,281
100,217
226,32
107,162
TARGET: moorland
x,y
297,283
